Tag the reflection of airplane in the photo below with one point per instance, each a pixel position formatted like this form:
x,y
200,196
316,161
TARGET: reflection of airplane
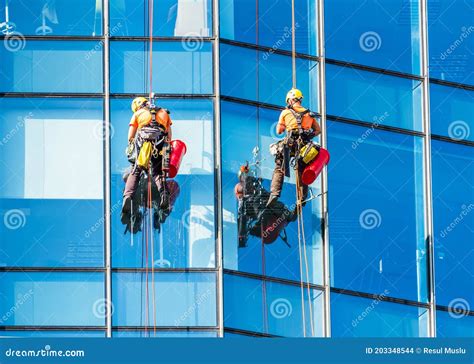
x,y
133,223
254,218
7,27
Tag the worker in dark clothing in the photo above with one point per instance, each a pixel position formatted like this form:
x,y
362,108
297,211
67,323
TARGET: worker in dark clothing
x,y
148,134
301,126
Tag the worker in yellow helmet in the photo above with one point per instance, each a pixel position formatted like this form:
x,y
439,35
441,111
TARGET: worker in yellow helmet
x,y
150,131
300,126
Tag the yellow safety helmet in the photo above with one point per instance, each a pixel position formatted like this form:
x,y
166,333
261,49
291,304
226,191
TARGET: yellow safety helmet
x,y
294,93
138,102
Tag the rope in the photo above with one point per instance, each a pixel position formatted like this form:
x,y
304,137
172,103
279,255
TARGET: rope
x,y
301,265
150,51
150,201
293,42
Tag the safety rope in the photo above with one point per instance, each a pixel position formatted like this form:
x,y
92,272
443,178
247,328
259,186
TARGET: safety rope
x,y
293,42
150,50
150,207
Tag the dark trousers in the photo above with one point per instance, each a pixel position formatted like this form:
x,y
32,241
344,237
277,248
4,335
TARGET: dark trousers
x,y
279,175
156,173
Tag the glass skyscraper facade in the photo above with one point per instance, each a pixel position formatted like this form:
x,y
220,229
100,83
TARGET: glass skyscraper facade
x,y
389,236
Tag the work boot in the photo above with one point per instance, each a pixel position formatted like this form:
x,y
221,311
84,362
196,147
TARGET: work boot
x,y
126,210
165,201
272,200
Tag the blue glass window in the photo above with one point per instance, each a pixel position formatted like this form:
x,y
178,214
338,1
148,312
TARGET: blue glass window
x,y
451,43
52,200
453,217
51,66
187,237
59,17
373,97
181,299
449,324
239,128
452,112
48,334
376,211
171,18
271,307
363,317
169,334
239,76
52,299
377,33
178,67
238,22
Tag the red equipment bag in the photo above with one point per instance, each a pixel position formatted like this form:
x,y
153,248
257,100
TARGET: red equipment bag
x,y
178,150
312,171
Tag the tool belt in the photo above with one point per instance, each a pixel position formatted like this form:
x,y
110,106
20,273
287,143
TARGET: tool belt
x,y
148,143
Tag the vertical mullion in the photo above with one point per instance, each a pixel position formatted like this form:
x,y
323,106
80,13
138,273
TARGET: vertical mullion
x,y
218,169
427,174
107,194
324,176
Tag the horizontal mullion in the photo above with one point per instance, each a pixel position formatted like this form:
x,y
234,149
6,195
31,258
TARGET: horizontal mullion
x,y
452,84
165,270
268,49
167,328
443,138
162,96
272,279
247,332
53,269
455,311
55,37
162,38
52,328
373,125
59,95
373,296
373,69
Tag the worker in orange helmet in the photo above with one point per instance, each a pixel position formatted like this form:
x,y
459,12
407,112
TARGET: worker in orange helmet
x,y
300,126
149,124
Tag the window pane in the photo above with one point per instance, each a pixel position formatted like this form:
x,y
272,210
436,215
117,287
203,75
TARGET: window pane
x,y
377,33
244,302
238,22
48,334
181,299
239,72
362,317
51,66
187,236
52,299
51,202
171,18
376,212
373,97
452,112
239,128
59,17
170,334
451,44
453,217
449,324
177,67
